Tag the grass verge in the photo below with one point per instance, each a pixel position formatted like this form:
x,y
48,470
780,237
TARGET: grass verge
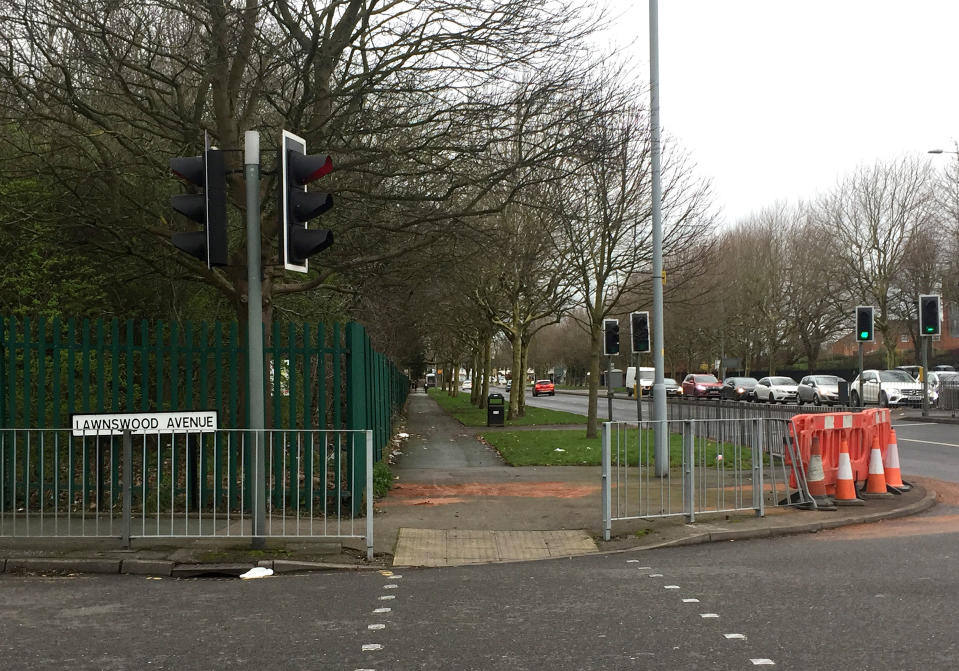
x,y
573,448
460,407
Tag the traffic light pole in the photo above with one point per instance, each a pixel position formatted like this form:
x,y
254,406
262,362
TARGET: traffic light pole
x,y
609,388
254,316
638,384
861,403
925,377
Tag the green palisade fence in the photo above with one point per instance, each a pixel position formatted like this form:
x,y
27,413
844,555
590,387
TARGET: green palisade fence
x,y
316,376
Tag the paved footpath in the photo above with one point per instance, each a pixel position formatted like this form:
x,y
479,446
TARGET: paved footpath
x,y
454,500
453,493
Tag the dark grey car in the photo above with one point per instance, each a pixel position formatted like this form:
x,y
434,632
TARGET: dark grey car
x,y
738,388
819,389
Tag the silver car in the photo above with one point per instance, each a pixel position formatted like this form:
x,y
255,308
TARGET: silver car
x,y
818,389
775,388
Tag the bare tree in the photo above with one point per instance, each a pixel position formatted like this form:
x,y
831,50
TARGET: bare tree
x,y
409,98
874,213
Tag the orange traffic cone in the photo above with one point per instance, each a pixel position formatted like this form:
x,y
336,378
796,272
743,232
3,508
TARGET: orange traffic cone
x,y
816,478
893,474
876,482
845,485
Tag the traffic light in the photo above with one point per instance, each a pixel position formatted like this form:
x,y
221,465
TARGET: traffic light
x,y
929,315
298,206
864,323
208,172
610,337
639,329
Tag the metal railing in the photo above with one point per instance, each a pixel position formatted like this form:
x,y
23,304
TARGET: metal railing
x,y
714,466
54,483
679,409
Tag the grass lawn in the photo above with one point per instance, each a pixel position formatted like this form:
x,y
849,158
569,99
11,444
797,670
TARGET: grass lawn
x,y
460,408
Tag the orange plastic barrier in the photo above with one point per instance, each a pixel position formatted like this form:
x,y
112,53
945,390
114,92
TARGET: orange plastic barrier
x,y
859,430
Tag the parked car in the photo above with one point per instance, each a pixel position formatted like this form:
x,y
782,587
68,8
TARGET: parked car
x,y
775,389
509,385
467,385
819,389
701,386
646,376
672,387
544,387
885,388
738,388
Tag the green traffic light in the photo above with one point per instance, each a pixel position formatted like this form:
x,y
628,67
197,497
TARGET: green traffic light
x,y
864,335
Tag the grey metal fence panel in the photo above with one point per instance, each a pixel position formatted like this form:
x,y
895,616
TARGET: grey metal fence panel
x,y
173,485
715,466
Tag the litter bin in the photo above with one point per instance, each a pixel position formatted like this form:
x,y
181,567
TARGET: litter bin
x,y
495,410
843,392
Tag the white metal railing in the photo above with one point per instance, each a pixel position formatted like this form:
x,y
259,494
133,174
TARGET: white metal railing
x,y
714,466
172,485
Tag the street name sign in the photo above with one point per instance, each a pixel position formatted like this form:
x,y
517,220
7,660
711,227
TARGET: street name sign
x,y
141,423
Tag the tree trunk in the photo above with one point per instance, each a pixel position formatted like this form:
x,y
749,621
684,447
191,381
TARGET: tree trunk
x,y
595,354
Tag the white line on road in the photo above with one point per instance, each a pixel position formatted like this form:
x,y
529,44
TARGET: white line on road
x,y
368,647
670,586
741,637
382,610
374,627
896,426
690,600
709,615
763,662
927,442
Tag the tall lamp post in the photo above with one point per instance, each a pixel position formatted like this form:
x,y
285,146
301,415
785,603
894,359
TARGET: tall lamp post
x,y
925,341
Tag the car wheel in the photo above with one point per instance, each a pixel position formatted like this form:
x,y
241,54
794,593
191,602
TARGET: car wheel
x,y
854,400
799,400
883,400
552,393
817,400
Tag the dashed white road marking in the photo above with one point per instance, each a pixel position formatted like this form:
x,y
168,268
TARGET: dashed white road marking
x,y
395,577
374,627
763,662
655,575
369,647
741,637
382,610
390,586
670,586
386,597
690,600
709,615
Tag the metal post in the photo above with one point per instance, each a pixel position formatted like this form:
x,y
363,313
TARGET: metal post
x,y
254,314
758,470
606,494
925,376
862,401
609,388
369,495
689,461
659,388
638,384
127,486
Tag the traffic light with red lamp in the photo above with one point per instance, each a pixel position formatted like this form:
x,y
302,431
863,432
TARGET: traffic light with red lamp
x,y
207,207
297,205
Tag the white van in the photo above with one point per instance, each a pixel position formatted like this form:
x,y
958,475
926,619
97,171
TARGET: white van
x,y
646,377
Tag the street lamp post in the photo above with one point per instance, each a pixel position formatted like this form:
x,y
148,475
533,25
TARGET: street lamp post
x,y
924,340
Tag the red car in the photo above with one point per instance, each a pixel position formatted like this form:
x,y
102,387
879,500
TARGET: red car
x,y
544,387
701,386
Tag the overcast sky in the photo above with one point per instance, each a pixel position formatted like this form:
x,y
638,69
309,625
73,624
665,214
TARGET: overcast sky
x,y
777,99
